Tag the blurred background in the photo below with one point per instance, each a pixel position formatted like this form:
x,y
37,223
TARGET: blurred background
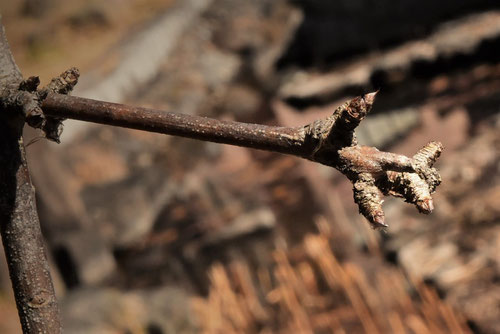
x,y
154,234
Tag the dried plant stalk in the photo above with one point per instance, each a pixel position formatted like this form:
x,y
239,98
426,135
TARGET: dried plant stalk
x,y
357,300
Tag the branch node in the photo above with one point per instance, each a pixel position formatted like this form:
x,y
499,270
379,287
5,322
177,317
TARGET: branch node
x,y
63,84
30,84
373,172
327,136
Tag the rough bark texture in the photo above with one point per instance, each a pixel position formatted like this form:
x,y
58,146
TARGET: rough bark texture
x,y
19,224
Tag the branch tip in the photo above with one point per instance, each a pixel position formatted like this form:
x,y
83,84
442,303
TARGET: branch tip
x,y
373,172
370,98
425,206
378,221
65,82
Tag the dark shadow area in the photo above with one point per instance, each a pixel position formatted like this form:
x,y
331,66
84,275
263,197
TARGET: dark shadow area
x,y
336,30
67,267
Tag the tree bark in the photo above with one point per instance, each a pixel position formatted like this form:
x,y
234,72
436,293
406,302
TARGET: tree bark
x,y
19,224
270,138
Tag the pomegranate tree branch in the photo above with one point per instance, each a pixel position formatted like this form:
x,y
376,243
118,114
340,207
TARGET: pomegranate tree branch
x,y
329,141
19,225
271,138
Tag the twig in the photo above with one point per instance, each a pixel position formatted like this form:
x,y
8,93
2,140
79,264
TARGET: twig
x,y
19,225
330,141
271,138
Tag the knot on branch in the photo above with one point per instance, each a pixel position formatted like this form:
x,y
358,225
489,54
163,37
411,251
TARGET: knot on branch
x,y
373,173
40,299
26,101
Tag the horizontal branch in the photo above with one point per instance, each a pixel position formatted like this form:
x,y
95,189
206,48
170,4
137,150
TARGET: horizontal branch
x,y
270,138
329,141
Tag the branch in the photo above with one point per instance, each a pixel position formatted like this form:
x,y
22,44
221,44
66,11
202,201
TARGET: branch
x,y
19,225
330,141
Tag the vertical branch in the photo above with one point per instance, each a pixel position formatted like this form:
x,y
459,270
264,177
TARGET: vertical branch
x,y
22,238
19,224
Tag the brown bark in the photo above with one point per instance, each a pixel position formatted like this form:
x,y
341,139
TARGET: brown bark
x,y
19,224
271,138
329,141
